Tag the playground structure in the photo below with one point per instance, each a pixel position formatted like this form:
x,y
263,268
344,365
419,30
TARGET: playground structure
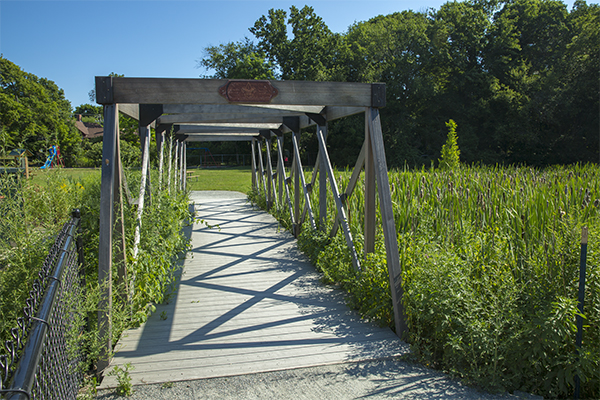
x,y
54,159
205,110
19,164
206,157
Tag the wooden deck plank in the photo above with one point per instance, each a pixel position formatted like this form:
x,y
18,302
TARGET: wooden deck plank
x,y
248,301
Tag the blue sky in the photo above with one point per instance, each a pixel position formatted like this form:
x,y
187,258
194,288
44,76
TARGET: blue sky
x,y
71,42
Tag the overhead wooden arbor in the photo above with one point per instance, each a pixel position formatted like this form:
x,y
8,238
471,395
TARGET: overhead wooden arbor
x,y
256,111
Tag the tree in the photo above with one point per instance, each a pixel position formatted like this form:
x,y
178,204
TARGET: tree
x,y
90,113
520,77
239,60
35,115
311,52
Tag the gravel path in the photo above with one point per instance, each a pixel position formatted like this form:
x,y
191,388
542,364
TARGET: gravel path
x,y
379,379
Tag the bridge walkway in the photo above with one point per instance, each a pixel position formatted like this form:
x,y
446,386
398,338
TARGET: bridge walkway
x,y
248,301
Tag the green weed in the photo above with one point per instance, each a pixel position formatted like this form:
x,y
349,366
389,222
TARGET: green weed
x,y
124,387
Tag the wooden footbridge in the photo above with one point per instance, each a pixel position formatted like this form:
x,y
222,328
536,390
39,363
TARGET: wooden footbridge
x,y
248,301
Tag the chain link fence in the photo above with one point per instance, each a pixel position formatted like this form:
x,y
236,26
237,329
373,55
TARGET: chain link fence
x,y
42,360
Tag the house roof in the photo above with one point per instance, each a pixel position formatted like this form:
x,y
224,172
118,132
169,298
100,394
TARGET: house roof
x,y
89,130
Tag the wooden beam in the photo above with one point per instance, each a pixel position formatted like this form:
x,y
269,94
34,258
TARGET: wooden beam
x,y
387,217
182,166
161,158
130,110
176,167
313,180
254,183
296,174
283,181
191,129
307,206
370,193
280,169
170,164
107,185
322,132
258,115
206,91
149,113
234,125
144,132
222,117
219,138
231,109
184,175
326,167
271,183
360,162
288,108
145,139
261,168
121,251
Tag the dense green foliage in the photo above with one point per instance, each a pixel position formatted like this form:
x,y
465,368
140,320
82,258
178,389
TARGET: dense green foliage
x,y
34,211
91,149
490,261
31,217
520,78
35,115
242,60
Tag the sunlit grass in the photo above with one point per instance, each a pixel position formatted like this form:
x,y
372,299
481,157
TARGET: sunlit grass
x,y
237,179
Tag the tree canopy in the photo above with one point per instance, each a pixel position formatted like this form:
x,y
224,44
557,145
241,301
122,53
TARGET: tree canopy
x,y
520,77
34,114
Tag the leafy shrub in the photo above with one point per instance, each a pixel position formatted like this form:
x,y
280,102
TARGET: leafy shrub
x,y
450,155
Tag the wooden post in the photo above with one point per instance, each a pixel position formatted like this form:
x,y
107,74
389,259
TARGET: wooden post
x,y
107,185
271,184
387,217
170,163
184,165
181,164
360,162
161,158
280,168
326,169
144,133
252,145
262,169
176,165
370,192
307,205
121,255
283,179
297,174
26,162
322,131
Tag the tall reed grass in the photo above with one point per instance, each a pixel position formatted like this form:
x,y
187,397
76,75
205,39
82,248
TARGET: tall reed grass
x,y
490,260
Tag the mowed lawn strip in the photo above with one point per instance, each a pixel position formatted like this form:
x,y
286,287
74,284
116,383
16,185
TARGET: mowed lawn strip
x,y
237,179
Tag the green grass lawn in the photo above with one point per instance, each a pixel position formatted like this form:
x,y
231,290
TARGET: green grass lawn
x,y
237,179
225,178
40,176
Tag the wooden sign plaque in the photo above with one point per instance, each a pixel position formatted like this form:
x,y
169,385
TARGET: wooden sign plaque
x,y
248,91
